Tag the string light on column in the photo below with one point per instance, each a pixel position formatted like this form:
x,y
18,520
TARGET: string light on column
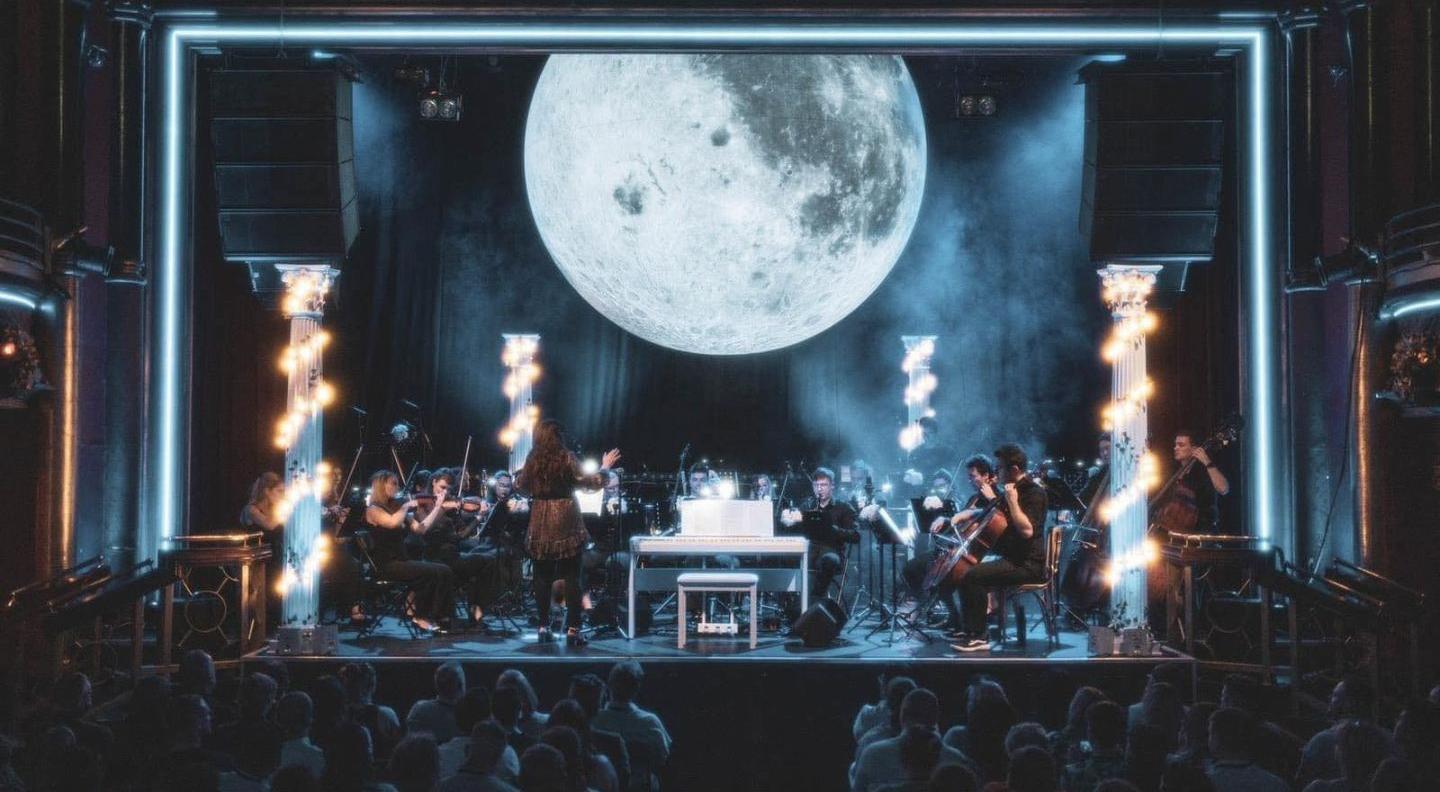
x,y
1134,471
299,434
922,383
521,375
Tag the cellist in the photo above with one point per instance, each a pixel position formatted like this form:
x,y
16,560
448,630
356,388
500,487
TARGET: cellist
x,y
981,472
1019,554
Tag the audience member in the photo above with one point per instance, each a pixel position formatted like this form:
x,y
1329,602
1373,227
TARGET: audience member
x,y
1032,769
482,767
1116,784
532,720
9,779
913,754
1176,675
879,712
895,692
1194,747
599,772
646,739
328,695
189,777
1397,775
415,764
190,726
1417,738
472,710
1359,750
1233,766
952,778
256,700
257,757
1145,750
1025,734
567,742
294,714
436,716
988,718
350,761
359,680
1276,749
294,778
1105,732
589,690
1185,777
73,699
505,709
1066,744
1163,709
542,769
1349,700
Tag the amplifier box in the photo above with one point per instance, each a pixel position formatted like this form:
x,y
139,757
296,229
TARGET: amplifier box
x,y
309,639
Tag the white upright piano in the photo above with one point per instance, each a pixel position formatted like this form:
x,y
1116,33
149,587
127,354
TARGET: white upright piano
x,y
715,527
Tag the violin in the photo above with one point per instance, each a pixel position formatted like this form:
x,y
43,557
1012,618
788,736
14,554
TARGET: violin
x,y
470,504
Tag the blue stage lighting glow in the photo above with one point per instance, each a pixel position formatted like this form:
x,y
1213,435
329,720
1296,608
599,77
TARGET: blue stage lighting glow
x,y
1245,32
16,298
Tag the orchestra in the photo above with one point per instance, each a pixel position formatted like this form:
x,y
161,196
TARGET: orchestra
x,y
459,541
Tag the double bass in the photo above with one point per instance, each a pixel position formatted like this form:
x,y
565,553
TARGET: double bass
x,y
1175,510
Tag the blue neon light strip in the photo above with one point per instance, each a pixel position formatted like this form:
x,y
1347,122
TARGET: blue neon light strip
x,y
17,299
1262,395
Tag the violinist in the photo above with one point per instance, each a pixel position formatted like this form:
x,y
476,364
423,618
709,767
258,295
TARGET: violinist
x,y
443,523
508,514
1019,552
981,472
432,585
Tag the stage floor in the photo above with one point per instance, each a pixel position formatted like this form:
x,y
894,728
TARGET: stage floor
x,y
854,647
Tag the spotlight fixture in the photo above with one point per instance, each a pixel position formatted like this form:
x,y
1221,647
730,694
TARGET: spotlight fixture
x,y
976,106
1357,263
441,105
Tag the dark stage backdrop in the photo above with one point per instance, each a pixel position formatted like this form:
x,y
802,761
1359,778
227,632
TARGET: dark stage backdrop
x,y
449,258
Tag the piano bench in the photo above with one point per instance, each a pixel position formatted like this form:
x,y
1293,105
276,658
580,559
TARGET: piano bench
x,y
710,582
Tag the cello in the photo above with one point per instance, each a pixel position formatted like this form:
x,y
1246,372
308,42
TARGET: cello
x,y
969,546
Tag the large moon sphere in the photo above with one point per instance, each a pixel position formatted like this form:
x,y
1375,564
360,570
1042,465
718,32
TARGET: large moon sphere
x,y
725,204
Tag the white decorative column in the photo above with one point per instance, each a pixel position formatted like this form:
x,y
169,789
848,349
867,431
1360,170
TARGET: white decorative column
x,y
918,352
1133,471
519,358
299,433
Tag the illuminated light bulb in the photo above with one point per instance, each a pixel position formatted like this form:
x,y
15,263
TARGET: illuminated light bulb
x,y
589,466
533,411
726,488
322,542
1112,577
508,437
324,393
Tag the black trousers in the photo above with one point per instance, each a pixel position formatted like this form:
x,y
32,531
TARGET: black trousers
x,y
914,573
977,583
544,573
433,585
827,566
476,570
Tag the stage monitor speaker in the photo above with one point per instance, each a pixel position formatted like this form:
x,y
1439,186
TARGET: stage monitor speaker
x,y
1157,144
821,624
284,166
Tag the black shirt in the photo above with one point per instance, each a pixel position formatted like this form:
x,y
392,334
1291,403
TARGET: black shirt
x,y
1207,512
1018,549
841,519
388,544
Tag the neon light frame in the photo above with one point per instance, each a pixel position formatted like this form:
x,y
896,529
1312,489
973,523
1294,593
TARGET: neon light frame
x,y
169,412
